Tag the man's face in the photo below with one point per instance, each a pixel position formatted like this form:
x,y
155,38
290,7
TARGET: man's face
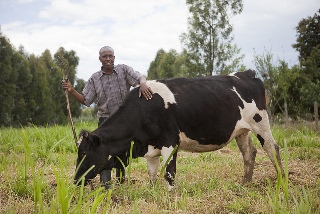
x,y
107,58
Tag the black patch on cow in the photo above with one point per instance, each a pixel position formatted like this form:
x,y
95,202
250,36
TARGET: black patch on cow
x,y
257,118
260,139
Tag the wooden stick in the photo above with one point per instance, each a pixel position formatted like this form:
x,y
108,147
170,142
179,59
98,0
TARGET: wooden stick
x,y
64,65
70,117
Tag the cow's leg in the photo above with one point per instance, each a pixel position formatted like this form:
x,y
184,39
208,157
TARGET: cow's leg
x,y
153,164
263,132
153,161
171,167
249,154
105,178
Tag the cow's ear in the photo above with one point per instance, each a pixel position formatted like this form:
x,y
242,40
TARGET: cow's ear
x,y
84,134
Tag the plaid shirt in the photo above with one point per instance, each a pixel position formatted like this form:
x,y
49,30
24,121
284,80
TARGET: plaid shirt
x,y
110,89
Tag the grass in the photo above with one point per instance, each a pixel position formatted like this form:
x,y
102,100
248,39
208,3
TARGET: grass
x,y
37,165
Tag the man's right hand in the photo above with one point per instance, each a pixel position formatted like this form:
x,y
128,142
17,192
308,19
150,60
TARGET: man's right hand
x,y
66,85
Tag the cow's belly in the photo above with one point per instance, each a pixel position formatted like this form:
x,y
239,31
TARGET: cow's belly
x,y
190,145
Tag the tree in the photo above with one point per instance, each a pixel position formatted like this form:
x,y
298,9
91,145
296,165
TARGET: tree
x,y
308,35
310,89
183,66
166,69
307,86
163,66
278,80
311,66
284,81
38,97
21,114
209,42
7,81
153,71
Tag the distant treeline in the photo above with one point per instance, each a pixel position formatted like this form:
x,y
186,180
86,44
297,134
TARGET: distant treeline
x,y
30,91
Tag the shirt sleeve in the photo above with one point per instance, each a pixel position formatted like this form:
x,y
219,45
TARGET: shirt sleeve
x,y
132,76
89,92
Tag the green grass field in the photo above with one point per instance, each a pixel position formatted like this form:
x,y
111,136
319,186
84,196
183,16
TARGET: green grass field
x,y
37,165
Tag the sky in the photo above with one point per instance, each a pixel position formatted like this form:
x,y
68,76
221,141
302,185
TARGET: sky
x,y
136,30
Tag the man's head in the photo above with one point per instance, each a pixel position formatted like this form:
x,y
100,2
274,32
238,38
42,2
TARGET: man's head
x,y
106,57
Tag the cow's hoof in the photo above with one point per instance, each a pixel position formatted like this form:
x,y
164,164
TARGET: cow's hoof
x,y
106,186
246,180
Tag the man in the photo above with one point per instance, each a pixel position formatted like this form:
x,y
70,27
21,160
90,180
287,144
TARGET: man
x,y
110,86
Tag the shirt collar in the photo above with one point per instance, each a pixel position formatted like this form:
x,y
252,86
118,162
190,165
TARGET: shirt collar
x,y
114,71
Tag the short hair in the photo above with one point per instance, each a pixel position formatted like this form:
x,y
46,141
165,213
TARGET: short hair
x,y
106,48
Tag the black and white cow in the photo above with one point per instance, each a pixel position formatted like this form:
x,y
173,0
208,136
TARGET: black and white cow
x,y
197,114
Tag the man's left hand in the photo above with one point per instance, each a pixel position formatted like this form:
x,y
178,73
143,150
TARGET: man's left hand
x,y
145,91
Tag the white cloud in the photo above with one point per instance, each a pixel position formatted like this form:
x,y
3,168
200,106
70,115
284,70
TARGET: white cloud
x,y
25,1
270,25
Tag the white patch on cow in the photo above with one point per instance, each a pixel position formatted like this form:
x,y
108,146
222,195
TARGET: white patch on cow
x,y
152,152
163,91
153,165
247,113
109,157
233,75
165,152
188,144
153,160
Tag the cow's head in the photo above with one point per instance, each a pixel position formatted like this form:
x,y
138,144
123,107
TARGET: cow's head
x,y
92,153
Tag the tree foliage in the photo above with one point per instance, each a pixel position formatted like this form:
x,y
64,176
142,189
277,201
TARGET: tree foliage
x,y
308,35
31,86
310,79
171,65
298,86
307,86
208,42
7,81
154,68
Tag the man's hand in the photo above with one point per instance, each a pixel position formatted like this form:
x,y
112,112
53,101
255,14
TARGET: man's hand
x,y
66,85
145,91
